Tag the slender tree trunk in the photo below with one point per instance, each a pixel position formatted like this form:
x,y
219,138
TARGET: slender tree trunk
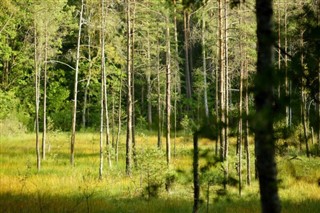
x,y
133,85
168,91
44,132
246,138
129,93
148,76
279,45
288,106
204,66
159,97
113,120
176,77
239,141
264,99
304,121
304,98
104,81
187,58
37,91
221,85
119,121
74,114
226,92
86,89
101,109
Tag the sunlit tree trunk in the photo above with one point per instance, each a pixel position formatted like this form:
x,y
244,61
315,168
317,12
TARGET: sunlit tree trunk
x,y
37,91
45,78
129,93
264,99
86,89
159,96
187,58
168,91
204,66
176,73
239,141
133,83
149,86
226,91
74,114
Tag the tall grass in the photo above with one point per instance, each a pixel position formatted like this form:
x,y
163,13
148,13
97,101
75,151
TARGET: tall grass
x,y
59,187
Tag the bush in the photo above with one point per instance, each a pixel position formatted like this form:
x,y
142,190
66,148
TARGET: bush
x,y
13,118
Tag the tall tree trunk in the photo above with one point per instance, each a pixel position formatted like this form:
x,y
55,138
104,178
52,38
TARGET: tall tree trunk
x,y
288,106
168,90
119,121
221,84
264,99
226,92
133,86
239,141
74,114
86,89
303,97
159,96
176,75
44,132
304,121
204,66
129,93
149,86
37,91
187,58
101,108
104,81
279,45
246,128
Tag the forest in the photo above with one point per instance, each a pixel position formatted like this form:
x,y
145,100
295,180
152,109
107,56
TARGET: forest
x,y
160,106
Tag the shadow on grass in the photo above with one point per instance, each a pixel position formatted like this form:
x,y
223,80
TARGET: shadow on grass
x,y
41,202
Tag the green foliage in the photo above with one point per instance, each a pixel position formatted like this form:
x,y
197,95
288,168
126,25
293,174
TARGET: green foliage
x,y
13,118
151,168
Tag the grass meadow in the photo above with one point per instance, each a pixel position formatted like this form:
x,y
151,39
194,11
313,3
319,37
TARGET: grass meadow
x,y
59,187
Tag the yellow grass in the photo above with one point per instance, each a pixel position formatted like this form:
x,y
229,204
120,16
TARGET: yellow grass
x,y
58,187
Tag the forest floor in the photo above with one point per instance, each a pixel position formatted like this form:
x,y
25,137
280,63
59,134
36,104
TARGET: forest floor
x,y
59,187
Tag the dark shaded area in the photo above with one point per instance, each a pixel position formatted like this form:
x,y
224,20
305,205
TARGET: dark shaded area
x,y
42,202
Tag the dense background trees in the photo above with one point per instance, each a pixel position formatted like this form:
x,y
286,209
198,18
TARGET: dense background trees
x,y
162,65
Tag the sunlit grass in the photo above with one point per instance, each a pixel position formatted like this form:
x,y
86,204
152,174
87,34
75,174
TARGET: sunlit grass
x,y
60,187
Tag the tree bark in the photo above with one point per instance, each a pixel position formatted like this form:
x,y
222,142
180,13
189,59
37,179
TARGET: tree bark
x,y
133,85
74,114
37,98
264,99
204,66
187,58
129,93
44,132
159,97
168,90
246,128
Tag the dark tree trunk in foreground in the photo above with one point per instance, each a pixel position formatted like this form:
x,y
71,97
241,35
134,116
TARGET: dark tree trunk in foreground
x,y
264,136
